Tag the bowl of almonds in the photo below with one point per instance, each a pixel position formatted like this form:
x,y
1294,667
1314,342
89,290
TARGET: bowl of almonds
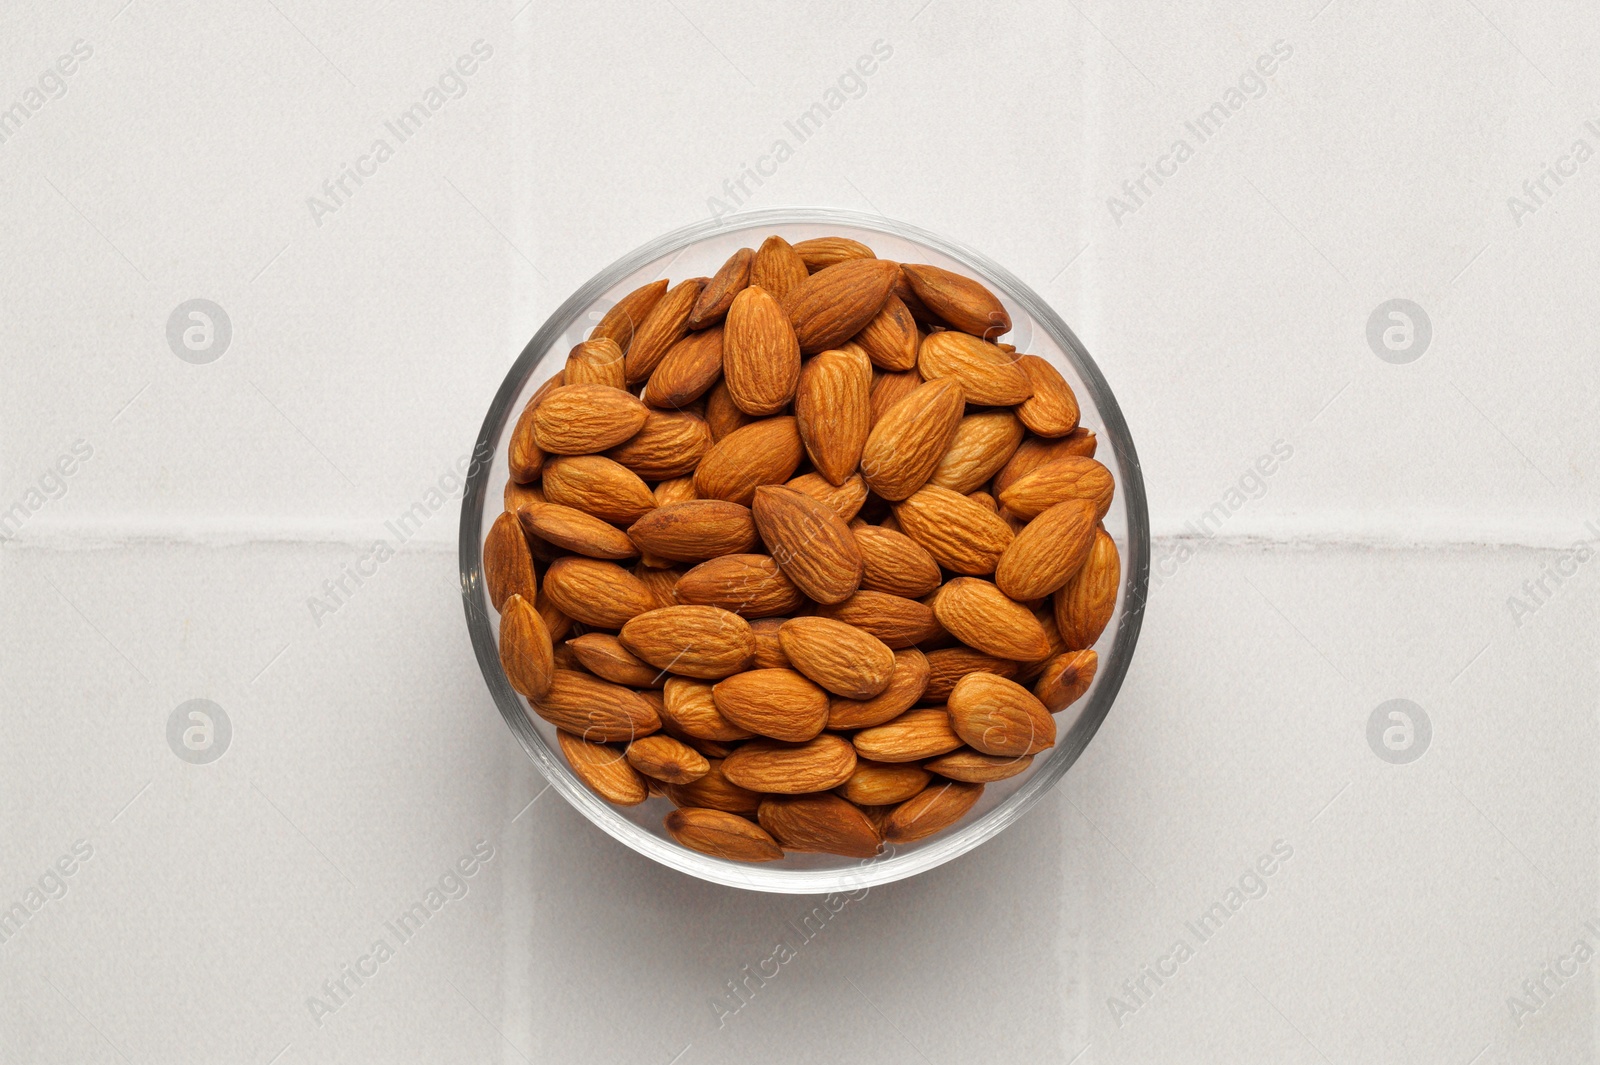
x,y
804,550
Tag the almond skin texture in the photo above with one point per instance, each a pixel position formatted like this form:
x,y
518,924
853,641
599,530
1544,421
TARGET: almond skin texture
x,y
833,411
595,592
777,268
687,371
769,651
603,655
906,685
517,495
663,327
666,759
884,783
808,540
1068,477
659,581
842,658
760,357
961,301
961,534
778,703
715,792
715,299
988,375
975,767
822,823
983,444
1000,717
689,707
575,531
751,586
599,486
820,252
525,650
604,769
763,452
1052,410
891,339
837,302
948,665
594,362
630,311
722,835
1065,679
704,642
584,419
775,768
936,809
694,530
890,388
911,737
1049,551
897,621
895,563
1084,605
844,499
507,564
1079,443
523,453
906,444
670,444
596,710
722,413
979,615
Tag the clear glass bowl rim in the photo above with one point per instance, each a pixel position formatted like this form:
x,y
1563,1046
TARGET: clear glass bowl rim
x,y
890,866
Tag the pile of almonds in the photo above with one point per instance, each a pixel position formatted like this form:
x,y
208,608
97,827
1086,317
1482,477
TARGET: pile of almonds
x,y
803,548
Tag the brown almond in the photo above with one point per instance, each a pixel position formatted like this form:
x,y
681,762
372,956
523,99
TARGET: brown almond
x,y
891,339
906,444
715,299
523,453
889,389
603,655
1035,453
777,268
576,531
605,769
763,452
983,443
837,302
809,541
1052,410
980,615
687,371
704,642
722,835
775,768
666,759
833,411
625,317
715,792
597,485
722,413
507,564
751,586
1065,679
975,767
844,499
1048,551
778,703
769,651
1069,477
670,444
936,809
911,737
988,376
584,419
961,534
659,581
689,707
525,651
596,592
884,783
1001,717
594,362
906,685
516,495
842,658
897,621
663,327
948,665
554,620
821,252
695,529
1084,605
596,710
760,357
895,563
821,823
959,300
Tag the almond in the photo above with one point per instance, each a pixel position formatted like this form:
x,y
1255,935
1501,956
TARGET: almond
x,y
722,413
596,710
594,362
844,499
823,823
597,485
906,685
891,339
1049,551
760,358
1052,410
1069,477
961,301
603,655
692,641
694,530
833,411
715,299
597,593
1084,605
895,563
979,615
983,443
778,703
554,620
575,531
584,419
988,376
884,783
769,651
689,707
523,454
663,327
897,621
604,769
517,495
1065,679
776,268
507,564
670,444
911,737
751,586
948,665
975,767
889,389
659,582
715,792
525,651
808,540
837,302
666,759
621,321
763,452
906,444
820,252
842,658
935,810
776,768
687,371
722,835
962,535
1001,717
1035,453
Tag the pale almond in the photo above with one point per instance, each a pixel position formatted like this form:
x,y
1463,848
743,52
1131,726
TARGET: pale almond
x,y
667,760
983,443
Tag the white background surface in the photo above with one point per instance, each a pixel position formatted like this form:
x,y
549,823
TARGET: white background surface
x,y
1229,311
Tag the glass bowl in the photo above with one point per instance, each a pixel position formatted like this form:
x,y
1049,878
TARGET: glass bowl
x,y
699,250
